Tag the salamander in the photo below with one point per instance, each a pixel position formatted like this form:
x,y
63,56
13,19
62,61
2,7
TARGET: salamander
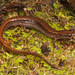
x,y
35,23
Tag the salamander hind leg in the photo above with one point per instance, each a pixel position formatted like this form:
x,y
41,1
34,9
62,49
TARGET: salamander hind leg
x,y
24,28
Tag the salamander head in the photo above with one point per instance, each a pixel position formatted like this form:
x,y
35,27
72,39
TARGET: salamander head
x,y
66,34
71,33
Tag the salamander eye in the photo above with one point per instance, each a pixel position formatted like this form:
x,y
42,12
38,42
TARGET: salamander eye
x,y
71,30
69,34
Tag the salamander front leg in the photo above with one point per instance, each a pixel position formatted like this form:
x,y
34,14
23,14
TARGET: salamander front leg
x,y
54,43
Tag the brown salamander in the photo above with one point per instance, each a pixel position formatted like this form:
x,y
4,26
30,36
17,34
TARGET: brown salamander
x,y
35,23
